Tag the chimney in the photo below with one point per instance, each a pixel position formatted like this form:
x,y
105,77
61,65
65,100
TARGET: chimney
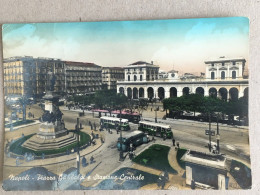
x,y
151,62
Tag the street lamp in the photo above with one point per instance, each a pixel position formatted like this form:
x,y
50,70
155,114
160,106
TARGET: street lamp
x,y
78,154
155,119
121,155
210,132
218,136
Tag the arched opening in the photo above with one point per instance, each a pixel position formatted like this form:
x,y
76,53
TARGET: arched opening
x,y
173,92
185,91
223,93
161,93
223,75
233,94
135,93
234,74
135,77
212,75
128,77
141,77
200,90
141,92
150,93
213,92
121,90
129,93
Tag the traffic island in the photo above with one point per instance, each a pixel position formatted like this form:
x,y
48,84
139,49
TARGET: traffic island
x,y
241,173
156,157
51,149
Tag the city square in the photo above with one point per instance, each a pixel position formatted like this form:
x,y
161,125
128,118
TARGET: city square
x,y
74,125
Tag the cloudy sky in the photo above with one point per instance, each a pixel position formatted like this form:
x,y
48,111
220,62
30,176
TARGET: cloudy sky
x,y
181,43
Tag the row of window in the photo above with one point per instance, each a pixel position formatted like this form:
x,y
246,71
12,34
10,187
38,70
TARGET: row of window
x,y
223,64
135,77
223,75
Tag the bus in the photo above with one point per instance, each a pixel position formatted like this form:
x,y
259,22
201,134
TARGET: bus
x,y
133,117
113,122
136,138
156,129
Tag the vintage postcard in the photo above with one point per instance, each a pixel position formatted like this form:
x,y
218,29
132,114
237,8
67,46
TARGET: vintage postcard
x,y
127,105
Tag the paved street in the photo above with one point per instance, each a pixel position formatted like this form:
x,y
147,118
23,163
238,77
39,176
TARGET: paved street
x,y
190,134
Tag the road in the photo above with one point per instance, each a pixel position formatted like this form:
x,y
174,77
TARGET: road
x,y
190,134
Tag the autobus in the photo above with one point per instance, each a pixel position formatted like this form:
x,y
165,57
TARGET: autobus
x,y
156,129
136,138
113,122
133,117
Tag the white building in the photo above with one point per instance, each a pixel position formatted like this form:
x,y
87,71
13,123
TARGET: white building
x,y
224,78
225,68
141,71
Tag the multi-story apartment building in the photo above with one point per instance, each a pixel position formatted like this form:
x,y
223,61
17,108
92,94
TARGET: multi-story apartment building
x,y
28,76
82,78
110,76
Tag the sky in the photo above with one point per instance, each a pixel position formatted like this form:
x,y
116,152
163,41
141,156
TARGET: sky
x,y
180,44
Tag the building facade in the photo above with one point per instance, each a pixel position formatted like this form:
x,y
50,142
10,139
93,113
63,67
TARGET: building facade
x,y
228,85
110,76
27,76
82,78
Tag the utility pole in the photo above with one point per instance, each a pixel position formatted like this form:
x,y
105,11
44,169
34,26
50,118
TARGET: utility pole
x,y
121,155
78,148
210,132
155,110
218,136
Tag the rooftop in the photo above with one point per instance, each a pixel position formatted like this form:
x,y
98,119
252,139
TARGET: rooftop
x,y
224,59
72,63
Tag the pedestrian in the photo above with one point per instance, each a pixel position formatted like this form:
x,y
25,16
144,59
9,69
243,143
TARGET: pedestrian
x,y
153,139
178,145
84,161
91,127
173,141
192,184
164,137
91,160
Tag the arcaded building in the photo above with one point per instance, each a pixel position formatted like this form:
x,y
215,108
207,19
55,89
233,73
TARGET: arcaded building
x,y
224,78
110,76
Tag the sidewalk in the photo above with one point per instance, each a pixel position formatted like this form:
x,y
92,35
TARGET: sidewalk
x,y
22,126
173,161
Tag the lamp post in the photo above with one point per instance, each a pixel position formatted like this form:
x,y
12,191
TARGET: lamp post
x,y
210,132
121,155
155,110
218,136
78,154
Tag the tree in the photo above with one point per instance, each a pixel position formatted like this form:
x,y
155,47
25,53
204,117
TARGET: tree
x,y
142,105
23,101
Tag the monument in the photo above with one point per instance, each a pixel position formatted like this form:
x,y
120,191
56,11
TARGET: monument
x,y
208,171
52,133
